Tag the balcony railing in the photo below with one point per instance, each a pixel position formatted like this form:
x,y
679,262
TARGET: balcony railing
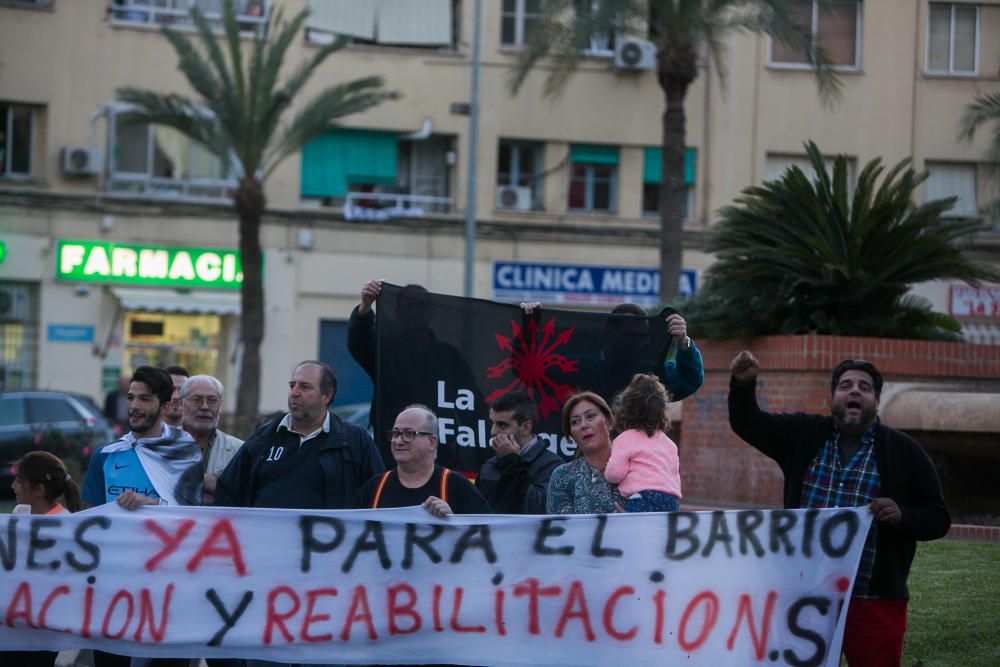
x,y
386,205
195,190
251,15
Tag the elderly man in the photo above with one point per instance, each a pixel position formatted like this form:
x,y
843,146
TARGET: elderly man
x,y
309,459
201,402
516,479
417,479
849,459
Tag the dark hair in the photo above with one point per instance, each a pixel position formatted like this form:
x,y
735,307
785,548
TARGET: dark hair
x,y
177,370
47,469
642,405
575,400
857,365
626,309
518,401
327,380
158,381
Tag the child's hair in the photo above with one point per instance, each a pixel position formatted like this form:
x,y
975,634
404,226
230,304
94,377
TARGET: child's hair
x,y
46,469
642,405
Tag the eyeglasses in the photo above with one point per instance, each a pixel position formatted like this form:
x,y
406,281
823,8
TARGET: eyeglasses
x,y
197,401
406,435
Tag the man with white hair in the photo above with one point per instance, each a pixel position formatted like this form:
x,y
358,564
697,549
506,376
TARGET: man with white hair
x,y
201,403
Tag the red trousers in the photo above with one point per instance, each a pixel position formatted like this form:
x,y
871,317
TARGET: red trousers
x,y
874,633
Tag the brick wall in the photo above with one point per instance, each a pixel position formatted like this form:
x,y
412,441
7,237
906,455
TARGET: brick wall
x,y
720,469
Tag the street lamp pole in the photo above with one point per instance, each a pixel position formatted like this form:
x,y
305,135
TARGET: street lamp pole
x,y
470,191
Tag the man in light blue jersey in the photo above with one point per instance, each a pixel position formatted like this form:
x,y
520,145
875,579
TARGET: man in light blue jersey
x,y
152,464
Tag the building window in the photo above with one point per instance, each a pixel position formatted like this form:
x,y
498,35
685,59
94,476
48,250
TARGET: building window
x,y
250,14
17,139
601,43
953,180
517,19
519,174
158,161
836,26
27,3
775,166
651,179
593,178
18,335
428,24
952,39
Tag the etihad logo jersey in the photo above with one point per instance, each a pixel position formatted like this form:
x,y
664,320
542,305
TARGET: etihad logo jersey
x,y
112,474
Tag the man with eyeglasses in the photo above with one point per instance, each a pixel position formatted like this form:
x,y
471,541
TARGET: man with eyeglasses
x,y
307,459
850,459
417,479
201,405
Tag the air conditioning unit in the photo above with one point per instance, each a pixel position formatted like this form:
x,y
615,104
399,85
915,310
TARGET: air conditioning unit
x,y
635,54
514,197
81,161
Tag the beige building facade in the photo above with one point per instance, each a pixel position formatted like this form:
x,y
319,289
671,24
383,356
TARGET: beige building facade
x,y
118,240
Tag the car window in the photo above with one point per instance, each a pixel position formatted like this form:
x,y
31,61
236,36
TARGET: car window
x,y
52,410
11,412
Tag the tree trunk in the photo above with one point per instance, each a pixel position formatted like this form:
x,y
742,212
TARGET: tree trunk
x,y
672,189
250,203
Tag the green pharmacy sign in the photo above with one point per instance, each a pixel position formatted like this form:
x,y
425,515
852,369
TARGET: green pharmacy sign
x,y
127,264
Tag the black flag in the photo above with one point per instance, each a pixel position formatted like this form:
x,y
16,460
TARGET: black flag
x,y
456,355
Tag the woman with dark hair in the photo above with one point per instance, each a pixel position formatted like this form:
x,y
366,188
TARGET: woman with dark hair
x,y
579,487
40,482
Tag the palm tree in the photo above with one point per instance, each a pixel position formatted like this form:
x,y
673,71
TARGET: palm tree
x,y
683,31
984,109
798,256
238,116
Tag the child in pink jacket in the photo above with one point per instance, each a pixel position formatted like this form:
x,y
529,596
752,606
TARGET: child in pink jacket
x,y
644,461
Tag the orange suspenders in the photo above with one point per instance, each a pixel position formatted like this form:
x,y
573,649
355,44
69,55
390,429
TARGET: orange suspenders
x,y
442,494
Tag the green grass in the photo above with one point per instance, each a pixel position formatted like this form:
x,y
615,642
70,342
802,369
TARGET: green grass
x,y
954,605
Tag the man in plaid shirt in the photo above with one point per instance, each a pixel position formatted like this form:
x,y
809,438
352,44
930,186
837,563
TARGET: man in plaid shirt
x,y
850,459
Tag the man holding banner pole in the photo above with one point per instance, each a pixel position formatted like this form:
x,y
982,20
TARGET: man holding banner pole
x,y
850,459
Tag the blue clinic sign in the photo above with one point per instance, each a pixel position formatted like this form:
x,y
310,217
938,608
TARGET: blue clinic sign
x,y
581,285
71,333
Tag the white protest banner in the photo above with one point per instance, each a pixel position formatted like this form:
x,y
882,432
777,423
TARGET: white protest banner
x,y
399,586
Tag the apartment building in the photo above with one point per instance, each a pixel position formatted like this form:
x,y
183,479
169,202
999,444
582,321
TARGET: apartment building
x,y
119,242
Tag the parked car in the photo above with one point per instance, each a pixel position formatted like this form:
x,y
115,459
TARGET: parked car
x,y
69,425
354,413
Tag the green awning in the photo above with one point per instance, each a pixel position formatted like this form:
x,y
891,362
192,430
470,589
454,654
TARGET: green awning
x,y
593,154
653,162
339,157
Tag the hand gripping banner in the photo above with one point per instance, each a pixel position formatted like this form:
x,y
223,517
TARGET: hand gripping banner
x,y
402,587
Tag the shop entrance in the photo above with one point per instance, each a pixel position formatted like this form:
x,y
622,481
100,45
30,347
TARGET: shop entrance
x,y
173,339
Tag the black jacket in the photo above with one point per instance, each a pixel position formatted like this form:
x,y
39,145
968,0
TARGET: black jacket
x,y
347,455
515,484
906,475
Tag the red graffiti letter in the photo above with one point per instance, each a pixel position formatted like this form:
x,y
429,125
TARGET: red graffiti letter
x,y
498,612
358,601
609,612
315,618
456,610
146,614
228,547
658,597
746,609
23,591
57,591
575,598
708,621
530,588
406,609
130,610
275,619
170,542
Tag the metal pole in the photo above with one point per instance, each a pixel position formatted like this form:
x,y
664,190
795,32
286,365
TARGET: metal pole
x,y
470,190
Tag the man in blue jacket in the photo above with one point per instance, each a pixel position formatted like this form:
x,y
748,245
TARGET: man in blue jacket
x,y
309,459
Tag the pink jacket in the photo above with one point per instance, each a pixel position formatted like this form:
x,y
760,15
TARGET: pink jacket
x,y
640,463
